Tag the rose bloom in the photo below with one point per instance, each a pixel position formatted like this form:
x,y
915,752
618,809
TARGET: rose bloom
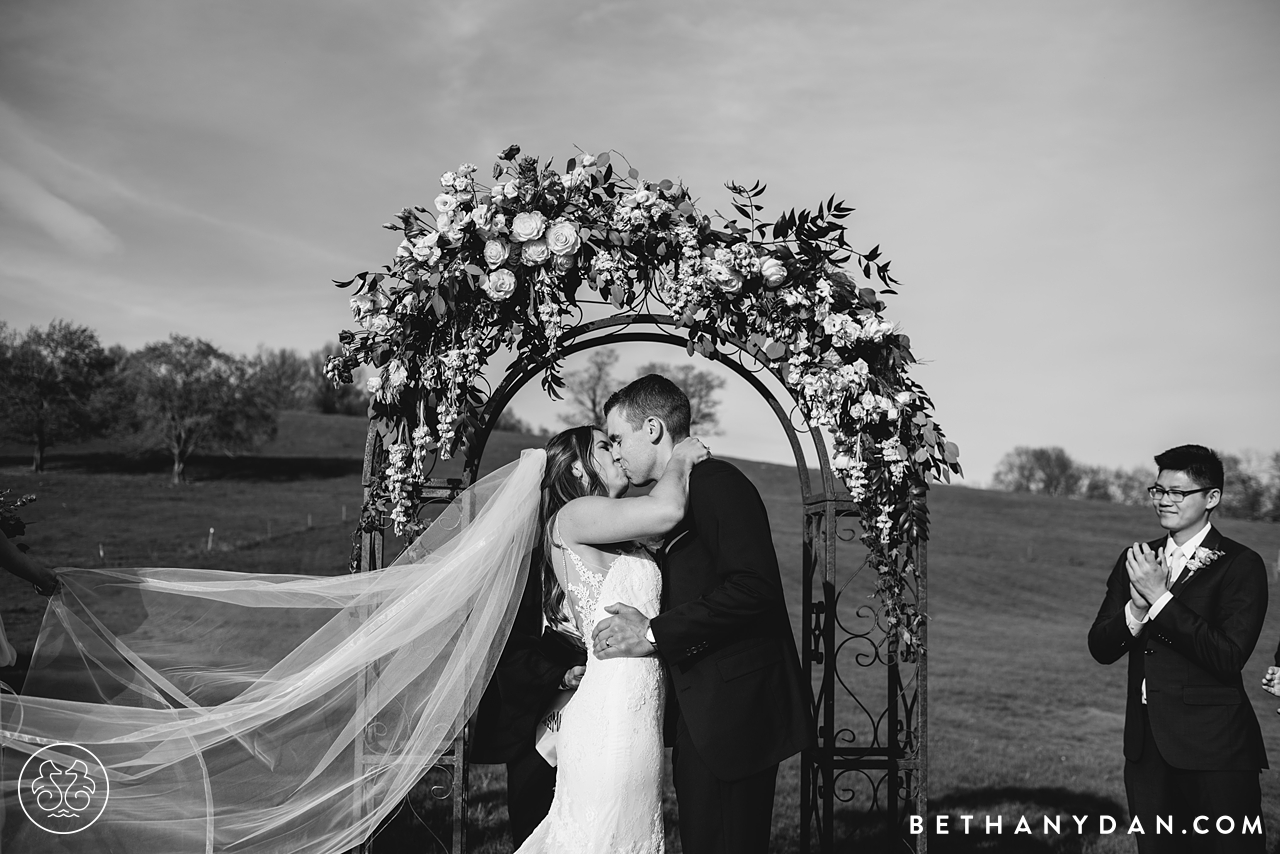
x,y
446,203
563,263
562,237
380,323
447,179
774,271
511,189
535,252
361,305
644,197
425,249
495,252
588,160
726,279
528,225
500,284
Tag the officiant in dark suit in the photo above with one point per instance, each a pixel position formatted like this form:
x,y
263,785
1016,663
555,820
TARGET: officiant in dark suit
x,y
541,658
1187,608
740,703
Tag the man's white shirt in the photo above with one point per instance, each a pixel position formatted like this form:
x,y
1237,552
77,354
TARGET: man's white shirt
x,y
1175,558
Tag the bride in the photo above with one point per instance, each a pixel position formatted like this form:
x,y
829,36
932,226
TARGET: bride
x,y
185,710
608,793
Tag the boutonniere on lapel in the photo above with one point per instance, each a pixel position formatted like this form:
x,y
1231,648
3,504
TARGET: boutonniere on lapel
x,y
1198,561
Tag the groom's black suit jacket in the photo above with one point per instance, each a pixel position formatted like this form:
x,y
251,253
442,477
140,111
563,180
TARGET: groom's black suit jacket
x,y
724,630
1191,656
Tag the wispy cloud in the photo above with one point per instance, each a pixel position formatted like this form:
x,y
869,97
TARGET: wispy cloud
x,y
78,231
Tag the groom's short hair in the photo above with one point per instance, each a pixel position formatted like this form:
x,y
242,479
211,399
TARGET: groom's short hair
x,y
653,395
1198,462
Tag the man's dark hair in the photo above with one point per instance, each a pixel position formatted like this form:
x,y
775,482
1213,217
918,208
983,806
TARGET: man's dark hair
x,y
653,395
1198,462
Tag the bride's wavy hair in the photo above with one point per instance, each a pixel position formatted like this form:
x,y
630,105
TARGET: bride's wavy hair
x,y
560,486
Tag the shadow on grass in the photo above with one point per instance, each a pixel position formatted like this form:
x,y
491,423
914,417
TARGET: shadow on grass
x,y
242,468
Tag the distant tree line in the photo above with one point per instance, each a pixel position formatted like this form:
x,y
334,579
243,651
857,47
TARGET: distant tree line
x,y
60,386
1252,489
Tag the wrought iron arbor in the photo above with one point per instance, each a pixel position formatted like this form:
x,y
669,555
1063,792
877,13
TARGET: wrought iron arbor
x,y
868,772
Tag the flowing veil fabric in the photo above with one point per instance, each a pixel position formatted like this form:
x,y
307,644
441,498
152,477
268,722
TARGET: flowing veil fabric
x,y
230,709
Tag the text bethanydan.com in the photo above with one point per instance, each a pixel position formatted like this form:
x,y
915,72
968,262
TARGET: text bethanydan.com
x,y
943,825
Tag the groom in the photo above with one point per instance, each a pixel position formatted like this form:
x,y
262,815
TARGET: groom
x,y
740,704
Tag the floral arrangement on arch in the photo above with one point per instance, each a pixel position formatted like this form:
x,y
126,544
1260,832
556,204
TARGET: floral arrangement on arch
x,y
506,265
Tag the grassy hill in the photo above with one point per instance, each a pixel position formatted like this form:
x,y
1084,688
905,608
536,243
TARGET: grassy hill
x,y
1021,719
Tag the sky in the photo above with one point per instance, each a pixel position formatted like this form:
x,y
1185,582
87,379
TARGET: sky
x,y
1080,198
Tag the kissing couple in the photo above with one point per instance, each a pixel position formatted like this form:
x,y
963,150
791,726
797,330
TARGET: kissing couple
x,y
695,643
265,712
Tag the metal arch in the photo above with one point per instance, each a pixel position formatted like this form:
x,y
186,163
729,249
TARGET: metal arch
x,y
572,341
826,770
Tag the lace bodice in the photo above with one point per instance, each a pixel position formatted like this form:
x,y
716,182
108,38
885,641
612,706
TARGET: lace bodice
x,y
631,578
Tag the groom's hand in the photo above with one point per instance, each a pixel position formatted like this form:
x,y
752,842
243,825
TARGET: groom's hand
x,y
622,635
1146,572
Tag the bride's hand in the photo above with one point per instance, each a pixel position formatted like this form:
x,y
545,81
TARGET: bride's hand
x,y
572,677
690,451
1271,681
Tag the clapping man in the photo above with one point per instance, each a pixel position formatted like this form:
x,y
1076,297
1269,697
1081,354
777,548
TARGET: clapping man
x,y
1187,608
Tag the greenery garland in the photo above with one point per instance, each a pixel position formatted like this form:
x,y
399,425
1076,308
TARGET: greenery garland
x,y
11,524
507,265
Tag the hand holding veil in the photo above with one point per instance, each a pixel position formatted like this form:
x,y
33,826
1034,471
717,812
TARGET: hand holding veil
x,y
230,717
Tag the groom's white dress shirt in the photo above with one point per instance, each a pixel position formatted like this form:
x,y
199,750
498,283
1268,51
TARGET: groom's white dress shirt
x,y
1175,558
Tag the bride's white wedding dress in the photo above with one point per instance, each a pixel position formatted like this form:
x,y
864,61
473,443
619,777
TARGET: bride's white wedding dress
x,y
608,794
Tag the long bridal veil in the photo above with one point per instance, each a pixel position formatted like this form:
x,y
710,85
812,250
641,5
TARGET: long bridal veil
x,y
240,712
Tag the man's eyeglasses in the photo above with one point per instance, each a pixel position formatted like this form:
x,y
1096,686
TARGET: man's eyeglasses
x,y
1159,493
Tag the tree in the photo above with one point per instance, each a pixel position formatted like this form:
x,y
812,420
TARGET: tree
x,y
191,396
700,387
1131,486
1046,471
287,377
1244,495
1096,483
48,380
590,387
512,423
1272,512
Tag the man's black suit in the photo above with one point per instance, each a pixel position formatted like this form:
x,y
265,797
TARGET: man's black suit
x,y
528,674
739,703
1197,726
